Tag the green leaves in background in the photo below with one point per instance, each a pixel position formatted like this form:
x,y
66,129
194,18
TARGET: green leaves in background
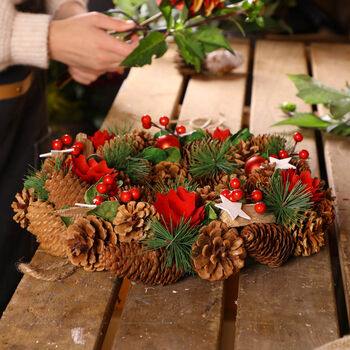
x,y
304,120
165,7
153,44
106,210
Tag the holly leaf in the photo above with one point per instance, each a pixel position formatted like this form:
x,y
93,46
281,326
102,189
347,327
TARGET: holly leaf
x,y
304,120
314,92
243,134
92,192
106,210
211,39
173,155
154,155
196,135
153,44
340,107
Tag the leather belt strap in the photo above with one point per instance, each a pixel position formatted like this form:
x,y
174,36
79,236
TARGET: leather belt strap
x,y
18,89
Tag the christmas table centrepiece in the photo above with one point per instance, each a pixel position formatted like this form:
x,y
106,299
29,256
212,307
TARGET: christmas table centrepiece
x,y
153,208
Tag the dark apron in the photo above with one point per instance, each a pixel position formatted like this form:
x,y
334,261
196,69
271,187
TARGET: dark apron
x,y
23,129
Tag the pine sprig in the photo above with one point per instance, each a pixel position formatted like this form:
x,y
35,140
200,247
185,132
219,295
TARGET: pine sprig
x,y
177,244
276,143
118,155
36,179
166,186
288,207
118,131
211,158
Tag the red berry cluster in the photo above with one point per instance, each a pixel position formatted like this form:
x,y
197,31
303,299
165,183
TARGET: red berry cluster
x,y
164,121
237,194
303,154
66,140
108,188
133,194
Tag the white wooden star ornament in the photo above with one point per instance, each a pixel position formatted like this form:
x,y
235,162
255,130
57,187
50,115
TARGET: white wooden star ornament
x,y
281,163
234,209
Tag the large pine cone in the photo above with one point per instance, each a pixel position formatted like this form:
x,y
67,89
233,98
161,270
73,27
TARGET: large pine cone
x,y
300,164
260,178
48,228
208,195
269,244
24,200
87,243
164,171
141,140
218,252
218,182
132,220
65,189
326,211
309,235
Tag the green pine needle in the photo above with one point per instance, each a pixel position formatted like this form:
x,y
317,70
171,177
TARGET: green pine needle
x,y
211,158
36,180
177,244
116,130
166,186
288,208
119,156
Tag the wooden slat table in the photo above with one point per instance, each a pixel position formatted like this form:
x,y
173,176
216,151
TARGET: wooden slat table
x,y
292,307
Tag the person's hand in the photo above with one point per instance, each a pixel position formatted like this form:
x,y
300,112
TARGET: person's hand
x,y
82,42
88,76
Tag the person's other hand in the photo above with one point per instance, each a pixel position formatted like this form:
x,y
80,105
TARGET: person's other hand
x,y
82,42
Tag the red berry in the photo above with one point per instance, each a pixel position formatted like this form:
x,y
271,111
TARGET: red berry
x,y
146,119
125,196
67,139
101,188
180,129
231,197
238,194
260,207
147,125
164,121
79,145
257,195
273,156
57,145
108,179
235,183
135,194
112,198
283,154
298,137
303,154
97,200
76,150
225,193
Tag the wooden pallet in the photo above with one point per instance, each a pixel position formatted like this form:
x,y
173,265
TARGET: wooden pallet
x,y
292,307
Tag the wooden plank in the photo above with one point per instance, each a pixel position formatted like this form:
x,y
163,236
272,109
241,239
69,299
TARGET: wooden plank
x,y
331,64
291,307
154,89
68,314
209,98
184,316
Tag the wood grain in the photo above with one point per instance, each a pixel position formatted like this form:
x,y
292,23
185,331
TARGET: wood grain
x,y
291,307
68,314
331,64
181,316
209,98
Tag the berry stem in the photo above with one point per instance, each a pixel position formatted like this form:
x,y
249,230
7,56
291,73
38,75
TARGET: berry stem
x,y
163,129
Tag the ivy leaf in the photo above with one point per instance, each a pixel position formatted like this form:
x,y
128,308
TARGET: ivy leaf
x,y
340,107
304,120
314,92
92,192
173,155
165,8
152,44
106,210
211,38
154,155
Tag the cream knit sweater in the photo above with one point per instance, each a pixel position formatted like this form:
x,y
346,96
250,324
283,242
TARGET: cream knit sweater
x,y
23,36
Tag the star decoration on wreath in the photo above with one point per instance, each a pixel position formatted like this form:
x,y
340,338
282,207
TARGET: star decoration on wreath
x,y
234,209
282,163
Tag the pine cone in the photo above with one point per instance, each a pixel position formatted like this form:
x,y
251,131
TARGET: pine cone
x,y
65,189
24,200
309,236
208,195
260,178
218,182
164,171
48,228
132,220
88,145
269,244
141,140
125,178
326,211
218,252
300,164
87,243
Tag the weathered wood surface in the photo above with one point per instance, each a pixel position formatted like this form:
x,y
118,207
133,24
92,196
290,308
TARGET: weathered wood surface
x,y
331,64
176,317
219,98
68,314
292,307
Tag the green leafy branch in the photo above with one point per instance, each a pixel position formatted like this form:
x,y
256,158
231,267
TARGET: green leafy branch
x,y
314,92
